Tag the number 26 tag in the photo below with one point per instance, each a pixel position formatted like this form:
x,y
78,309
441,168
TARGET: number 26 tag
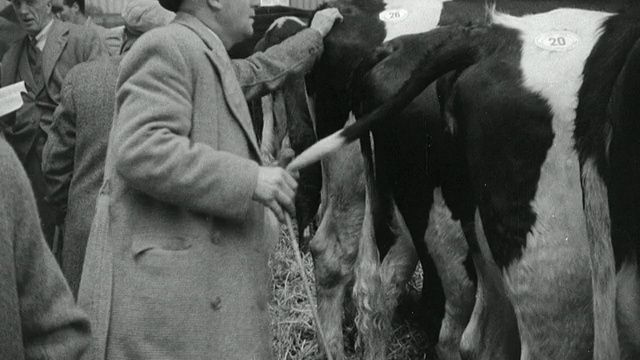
x,y
557,40
393,15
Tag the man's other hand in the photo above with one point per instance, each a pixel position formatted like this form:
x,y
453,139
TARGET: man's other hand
x,y
323,20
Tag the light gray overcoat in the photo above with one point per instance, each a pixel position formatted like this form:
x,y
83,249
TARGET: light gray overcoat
x,y
176,264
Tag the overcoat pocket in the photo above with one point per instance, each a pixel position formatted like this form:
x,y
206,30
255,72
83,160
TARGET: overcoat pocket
x,y
147,242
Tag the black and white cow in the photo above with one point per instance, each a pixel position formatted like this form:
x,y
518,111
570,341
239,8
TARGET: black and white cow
x,y
510,104
608,141
335,246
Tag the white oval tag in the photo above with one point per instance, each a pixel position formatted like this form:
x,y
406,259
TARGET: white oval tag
x,y
558,40
393,15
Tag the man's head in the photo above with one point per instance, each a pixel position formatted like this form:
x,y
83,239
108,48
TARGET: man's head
x,y
231,20
33,15
71,11
141,16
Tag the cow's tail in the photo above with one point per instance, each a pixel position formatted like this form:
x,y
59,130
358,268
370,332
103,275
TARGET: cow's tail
x,y
446,49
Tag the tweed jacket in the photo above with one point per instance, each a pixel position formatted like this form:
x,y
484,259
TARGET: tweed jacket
x,y
177,240
74,154
67,45
38,316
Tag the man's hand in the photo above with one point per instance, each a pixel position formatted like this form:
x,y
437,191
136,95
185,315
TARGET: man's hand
x,y
323,20
276,189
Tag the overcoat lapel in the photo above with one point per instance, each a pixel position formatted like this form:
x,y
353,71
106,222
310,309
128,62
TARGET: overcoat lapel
x,y
56,41
228,78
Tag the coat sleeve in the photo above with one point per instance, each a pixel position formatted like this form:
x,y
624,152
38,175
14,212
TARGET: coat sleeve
x,y
153,151
264,72
53,326
59,151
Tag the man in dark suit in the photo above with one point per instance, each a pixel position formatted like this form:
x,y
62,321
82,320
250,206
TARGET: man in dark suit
x,y
73,157
42,59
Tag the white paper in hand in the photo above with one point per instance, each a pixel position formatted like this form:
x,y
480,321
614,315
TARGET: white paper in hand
x,y
10,98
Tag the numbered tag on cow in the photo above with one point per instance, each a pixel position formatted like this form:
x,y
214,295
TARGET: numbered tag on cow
x,y
403,17
557,40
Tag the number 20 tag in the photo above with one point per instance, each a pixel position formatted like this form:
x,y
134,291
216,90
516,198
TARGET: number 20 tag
x,y
557,40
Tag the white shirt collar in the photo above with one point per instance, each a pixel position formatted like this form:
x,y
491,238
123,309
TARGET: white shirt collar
x,y
41,38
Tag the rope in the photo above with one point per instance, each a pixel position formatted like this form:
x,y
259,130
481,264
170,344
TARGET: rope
x,y
307,287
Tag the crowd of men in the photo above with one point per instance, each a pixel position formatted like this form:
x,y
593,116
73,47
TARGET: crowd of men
x,y
139,167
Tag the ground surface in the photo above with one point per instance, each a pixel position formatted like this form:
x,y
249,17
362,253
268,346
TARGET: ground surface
x,y
292,321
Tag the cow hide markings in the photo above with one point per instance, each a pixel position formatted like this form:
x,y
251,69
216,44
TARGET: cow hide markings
x,y
556,250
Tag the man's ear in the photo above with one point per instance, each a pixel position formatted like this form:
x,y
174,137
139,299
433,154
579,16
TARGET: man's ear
x,y
214,4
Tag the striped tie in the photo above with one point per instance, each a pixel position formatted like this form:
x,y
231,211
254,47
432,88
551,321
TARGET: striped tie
x,y
35,62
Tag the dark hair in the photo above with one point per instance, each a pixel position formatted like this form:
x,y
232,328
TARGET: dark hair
x,y
128,38
79,2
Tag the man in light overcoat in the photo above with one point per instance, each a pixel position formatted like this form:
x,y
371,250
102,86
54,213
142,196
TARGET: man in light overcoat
x,y
176,264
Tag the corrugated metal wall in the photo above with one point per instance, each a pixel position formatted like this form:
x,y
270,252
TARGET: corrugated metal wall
x,y
306,4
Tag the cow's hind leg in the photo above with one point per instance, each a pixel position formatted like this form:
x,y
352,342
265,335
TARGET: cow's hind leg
x,y
414,208
399,265
492,332
550,290
448,249
333,264
624,199
628,308
335,245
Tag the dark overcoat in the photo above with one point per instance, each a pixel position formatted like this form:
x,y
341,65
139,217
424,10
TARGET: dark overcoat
x,y
176,264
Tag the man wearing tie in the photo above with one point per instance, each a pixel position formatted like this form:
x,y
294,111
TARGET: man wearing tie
x,y
42,59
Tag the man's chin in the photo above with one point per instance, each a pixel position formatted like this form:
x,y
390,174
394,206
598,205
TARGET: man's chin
x,y
31,28
248,34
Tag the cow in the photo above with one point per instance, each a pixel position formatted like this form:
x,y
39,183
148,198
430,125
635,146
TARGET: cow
x,y
606,135
347,48
335,245
510,106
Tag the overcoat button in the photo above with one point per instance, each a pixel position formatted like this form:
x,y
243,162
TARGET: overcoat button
x,y
216,303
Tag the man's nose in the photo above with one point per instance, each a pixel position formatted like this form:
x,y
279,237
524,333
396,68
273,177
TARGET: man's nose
x,y
21,7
